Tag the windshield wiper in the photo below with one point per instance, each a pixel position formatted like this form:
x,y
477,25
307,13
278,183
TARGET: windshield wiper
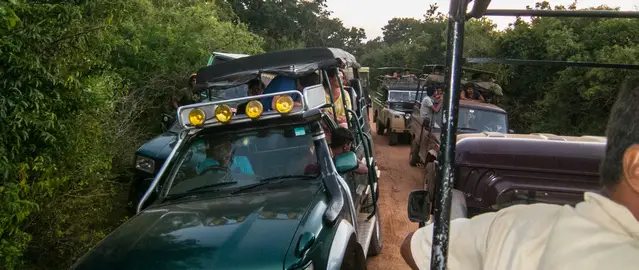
x,y
303,176
271,180
190,191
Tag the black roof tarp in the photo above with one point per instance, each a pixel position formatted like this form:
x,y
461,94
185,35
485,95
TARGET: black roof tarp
x,y
310,59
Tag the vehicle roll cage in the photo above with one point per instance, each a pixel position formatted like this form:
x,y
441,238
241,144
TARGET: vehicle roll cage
x,y
457,17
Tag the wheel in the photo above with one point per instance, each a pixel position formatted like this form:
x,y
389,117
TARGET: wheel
x,y
379,127
375,248
413,155
393,138
353,257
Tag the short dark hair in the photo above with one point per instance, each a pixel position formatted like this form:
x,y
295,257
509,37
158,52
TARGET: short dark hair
x,y
254,82
331,72
341,136
622,132
309,80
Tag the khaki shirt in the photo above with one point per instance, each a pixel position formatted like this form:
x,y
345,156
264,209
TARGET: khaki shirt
x,y
185,96
595,234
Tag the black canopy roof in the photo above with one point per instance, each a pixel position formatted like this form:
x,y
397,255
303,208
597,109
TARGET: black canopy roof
x,y
292,62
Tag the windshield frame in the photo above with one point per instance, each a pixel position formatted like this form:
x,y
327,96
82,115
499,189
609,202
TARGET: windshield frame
x,y
179,159
438,120
411,96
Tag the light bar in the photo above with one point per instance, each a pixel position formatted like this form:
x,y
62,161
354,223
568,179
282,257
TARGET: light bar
x,y
221,112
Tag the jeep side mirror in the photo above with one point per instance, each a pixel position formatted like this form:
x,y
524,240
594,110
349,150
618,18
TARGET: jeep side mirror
x,y
346,162
419,206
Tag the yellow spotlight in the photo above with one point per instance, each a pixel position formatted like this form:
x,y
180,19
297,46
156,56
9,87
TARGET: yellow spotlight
x,y
284,104
254,109
197,117
223,113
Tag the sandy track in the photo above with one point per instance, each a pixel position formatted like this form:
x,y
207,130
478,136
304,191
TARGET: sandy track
x,y
397,180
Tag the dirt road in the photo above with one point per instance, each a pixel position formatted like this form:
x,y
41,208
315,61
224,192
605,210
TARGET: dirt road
x,y
397,180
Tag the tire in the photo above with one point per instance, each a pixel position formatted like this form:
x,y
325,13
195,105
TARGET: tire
x,y
393,138
379,127
353,257
375,248
413,155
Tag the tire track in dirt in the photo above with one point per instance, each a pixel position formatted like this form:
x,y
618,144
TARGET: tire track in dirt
x,y
397,180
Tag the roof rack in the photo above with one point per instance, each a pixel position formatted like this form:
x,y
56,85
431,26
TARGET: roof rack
x,y
218,113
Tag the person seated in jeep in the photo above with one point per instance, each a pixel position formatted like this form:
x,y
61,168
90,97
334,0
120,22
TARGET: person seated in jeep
x,y
602,232
220,157
341,143
468,93
340,107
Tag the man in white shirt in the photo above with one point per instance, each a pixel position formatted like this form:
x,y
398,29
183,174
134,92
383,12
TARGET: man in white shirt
x,y
602,232
430,106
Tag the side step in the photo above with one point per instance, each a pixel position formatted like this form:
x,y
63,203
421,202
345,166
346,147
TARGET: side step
x,y
365,230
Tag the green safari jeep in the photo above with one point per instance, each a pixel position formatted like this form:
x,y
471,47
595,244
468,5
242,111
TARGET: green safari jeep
x,y
255,188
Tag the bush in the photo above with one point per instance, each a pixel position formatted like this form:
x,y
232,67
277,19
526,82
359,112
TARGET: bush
x,y
81,86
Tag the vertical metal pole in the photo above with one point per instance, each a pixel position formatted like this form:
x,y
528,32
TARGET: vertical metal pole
x,y
443,196
330,93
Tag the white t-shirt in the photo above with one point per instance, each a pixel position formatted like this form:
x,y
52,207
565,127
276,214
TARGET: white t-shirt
x,y
426,109
596,234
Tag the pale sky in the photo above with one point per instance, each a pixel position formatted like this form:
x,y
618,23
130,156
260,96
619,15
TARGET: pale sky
x,y
372,15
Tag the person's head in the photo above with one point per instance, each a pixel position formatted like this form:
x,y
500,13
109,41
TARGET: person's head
x,y
395,74
406,71
332,79
192,80
620,167
307,80
468,89
341,140
255,87
438,91
220,149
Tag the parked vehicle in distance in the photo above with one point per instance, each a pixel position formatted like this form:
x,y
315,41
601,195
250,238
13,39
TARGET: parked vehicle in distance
x,y
257,189
392,106
474,117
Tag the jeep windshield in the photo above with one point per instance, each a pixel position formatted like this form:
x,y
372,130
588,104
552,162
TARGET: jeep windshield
x,y
401,96
230,162
472,120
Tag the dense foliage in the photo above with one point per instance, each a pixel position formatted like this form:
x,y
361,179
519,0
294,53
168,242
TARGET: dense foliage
x,y
83,82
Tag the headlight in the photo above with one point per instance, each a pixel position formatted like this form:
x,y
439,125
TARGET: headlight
x,y
406,116
145,164
284,104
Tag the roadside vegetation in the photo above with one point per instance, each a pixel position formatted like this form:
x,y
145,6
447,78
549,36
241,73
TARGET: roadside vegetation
x,y
83,83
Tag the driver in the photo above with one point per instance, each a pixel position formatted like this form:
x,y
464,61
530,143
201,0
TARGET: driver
x,y
602,232
220,157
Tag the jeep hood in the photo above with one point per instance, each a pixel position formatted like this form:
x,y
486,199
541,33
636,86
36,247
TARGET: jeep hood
x,y
252,231
159,147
